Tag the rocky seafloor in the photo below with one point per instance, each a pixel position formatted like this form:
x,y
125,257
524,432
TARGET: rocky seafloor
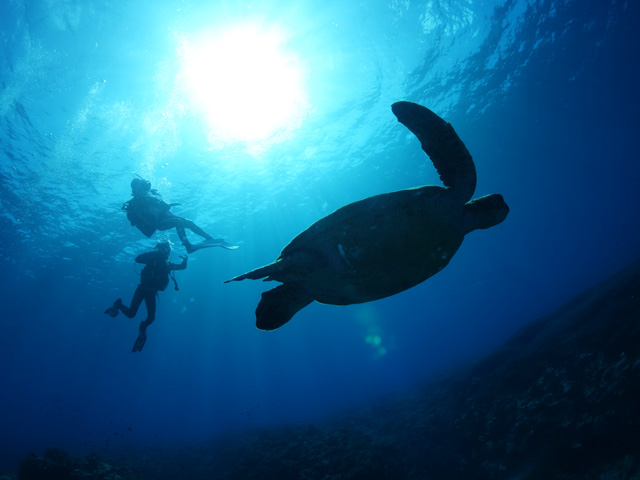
x,y
560,400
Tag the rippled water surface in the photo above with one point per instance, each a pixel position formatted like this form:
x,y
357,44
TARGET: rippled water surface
x,y
259,118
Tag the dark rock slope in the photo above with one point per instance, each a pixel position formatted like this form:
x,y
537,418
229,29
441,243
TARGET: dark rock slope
x,y
560,400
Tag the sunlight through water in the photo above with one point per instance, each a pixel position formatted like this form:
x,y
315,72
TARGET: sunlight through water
x,y
244,83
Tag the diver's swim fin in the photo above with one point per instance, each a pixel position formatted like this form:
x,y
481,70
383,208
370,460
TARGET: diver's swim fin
x,y
114,309
214,242
140,341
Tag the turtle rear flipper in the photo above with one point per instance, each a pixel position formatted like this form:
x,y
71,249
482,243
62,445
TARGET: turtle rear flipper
x,y
279,305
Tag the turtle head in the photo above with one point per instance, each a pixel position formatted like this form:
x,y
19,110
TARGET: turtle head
x,y
485,212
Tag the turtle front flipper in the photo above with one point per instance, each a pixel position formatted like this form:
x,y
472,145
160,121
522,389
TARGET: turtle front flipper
x,y
279,305
256,274
443,146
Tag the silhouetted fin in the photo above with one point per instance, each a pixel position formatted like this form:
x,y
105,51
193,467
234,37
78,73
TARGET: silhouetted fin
x,y
140,341
443,146
114,309
214,242
279,305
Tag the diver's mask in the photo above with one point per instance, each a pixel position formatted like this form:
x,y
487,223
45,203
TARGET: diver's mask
x,y
164,248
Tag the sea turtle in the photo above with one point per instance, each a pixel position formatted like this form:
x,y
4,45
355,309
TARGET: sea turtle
x,y
387,243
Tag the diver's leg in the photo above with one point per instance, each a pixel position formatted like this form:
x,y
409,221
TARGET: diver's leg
x,y
138,296
173,221
179,223
183,237
150,303
208,241
196,229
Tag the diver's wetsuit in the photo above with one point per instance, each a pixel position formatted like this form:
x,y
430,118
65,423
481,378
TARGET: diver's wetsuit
x,y
154,278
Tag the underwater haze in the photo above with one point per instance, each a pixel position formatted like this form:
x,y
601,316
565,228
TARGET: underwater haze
x,y
260,118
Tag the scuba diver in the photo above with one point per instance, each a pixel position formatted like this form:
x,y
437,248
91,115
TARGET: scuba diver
x,y
148,212
153,278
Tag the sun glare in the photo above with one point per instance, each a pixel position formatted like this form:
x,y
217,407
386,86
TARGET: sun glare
x,y
245,85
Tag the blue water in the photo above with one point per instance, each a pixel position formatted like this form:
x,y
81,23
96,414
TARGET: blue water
x,y
543,93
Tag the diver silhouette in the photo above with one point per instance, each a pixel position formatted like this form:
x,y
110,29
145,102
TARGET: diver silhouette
x,y
148,212
154,278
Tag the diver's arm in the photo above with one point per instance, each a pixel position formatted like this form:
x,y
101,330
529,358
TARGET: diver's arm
x,y
181,266
130,208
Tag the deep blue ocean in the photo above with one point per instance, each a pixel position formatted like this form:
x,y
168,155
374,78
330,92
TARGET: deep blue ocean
x,y
259,118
